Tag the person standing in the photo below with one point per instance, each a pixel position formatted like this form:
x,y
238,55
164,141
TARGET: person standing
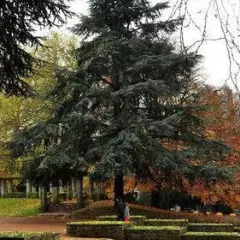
x,y
127,213
120,209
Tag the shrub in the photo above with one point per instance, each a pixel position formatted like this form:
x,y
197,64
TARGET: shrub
x,y
98,229
30,235
15,195
106,208
166,222
33,195
210,224
115,216
155,228
153,232
237,229
99,223
210,236
210,227
62,197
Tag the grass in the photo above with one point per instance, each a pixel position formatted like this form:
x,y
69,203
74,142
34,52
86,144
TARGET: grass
x,y
19,207
99,223
153,228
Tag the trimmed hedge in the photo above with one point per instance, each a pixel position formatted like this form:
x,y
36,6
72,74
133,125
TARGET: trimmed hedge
x,y
166,222
30,235
236,229
211,236
99,223
15,195
106,208
210,227
98,229
139,219
153,233
33,195
115,216
153,228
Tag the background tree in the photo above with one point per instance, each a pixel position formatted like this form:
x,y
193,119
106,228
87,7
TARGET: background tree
x,y
214,21
19,113
19,20
221,123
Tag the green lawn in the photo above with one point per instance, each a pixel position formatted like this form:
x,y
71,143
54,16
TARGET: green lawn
x,y
19,207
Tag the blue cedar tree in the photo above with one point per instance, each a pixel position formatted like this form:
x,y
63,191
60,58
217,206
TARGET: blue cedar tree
x,y
129,95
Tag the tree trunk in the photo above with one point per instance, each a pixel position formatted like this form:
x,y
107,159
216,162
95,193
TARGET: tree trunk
x,y
160,199
91,188
55,191
9,185
44,203
2,188
28,188
73,187
79,192
61,190
69,191
118,188
155,200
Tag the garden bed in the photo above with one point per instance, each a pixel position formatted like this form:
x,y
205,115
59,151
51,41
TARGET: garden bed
x,y
211,236
98,229
29,236
166,222
153,233
135,218
210,227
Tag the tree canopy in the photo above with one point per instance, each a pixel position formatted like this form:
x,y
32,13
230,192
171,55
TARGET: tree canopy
x,y
19,20
128,106
18,113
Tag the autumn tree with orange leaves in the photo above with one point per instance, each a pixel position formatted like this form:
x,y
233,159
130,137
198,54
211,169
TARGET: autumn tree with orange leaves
x,y
222,123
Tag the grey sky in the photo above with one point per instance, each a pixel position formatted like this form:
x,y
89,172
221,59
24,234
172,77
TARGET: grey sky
x,y
215,63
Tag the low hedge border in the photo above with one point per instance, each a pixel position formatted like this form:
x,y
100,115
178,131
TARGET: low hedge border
x,y
211,224
210,236
30,235
166,222
14,195
210,227
153,232
137,219
115,216
98,229
99,223
152,228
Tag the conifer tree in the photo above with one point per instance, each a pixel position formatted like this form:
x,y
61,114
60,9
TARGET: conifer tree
x,y
129,99
19,20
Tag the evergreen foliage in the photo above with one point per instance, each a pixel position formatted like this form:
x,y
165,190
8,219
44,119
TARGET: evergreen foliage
x,y
19,113
128,108
18,22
